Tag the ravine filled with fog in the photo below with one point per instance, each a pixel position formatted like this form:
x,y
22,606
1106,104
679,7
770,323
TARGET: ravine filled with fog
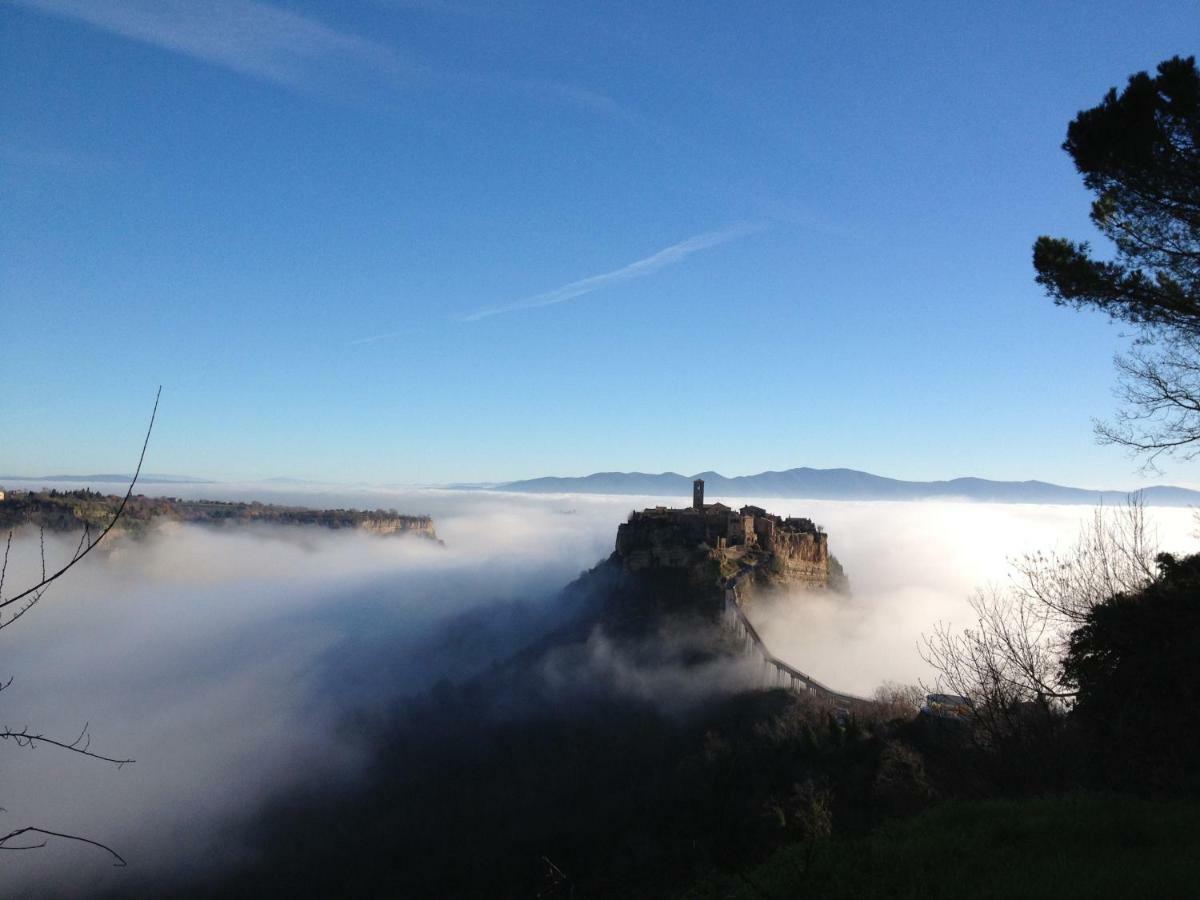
x,y
232,664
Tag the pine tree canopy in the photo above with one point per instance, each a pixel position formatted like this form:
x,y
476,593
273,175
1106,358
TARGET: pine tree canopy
x,y
1139,153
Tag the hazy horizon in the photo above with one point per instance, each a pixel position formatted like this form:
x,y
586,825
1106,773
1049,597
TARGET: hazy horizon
x,y
163,483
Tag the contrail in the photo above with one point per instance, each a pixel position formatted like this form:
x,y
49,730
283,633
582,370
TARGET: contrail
x,y
640,269
377,337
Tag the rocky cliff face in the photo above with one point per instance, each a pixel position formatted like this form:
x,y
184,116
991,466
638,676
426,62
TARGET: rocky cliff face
x,y
800,559
418,525
646,542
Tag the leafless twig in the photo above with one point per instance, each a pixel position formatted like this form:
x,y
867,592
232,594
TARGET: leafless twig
x,y
81,744
1012,656
31,595
30,829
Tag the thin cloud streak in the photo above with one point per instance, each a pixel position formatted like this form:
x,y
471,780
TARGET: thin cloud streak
x,y
262,41
592,101
378,337
668,256
442,7
245,36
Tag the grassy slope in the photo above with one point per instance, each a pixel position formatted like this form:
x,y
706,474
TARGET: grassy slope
x,y
1083,845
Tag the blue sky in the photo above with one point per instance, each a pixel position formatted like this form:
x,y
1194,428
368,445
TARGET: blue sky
x,y
436,241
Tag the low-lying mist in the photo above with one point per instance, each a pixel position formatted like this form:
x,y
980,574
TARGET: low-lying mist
x,y
230,663
911,565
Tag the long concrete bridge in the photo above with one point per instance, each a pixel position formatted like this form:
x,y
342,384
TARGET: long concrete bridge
x,y
778,672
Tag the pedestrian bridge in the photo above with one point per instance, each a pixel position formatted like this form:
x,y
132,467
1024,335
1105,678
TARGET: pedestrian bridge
x,y
778,673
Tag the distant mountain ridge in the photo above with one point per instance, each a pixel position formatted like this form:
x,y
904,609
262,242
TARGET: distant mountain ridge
x,y
844,484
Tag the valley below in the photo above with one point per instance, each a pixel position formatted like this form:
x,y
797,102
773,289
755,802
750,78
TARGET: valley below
x,y
446,699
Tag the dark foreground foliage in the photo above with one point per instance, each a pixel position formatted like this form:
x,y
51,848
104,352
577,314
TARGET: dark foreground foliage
x,y
1078,845
1135,664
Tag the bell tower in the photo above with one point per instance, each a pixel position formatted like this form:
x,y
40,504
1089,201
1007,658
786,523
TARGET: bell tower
x,y
698,494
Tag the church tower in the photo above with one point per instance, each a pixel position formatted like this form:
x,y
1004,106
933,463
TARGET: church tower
x,y
698,494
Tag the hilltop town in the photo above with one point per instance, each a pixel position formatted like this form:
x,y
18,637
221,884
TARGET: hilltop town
x,y
710,543
56,510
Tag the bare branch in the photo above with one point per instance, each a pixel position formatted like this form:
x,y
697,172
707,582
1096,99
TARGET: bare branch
x,y
1012,657
1159,386
80,745
29,829
34,593
4,567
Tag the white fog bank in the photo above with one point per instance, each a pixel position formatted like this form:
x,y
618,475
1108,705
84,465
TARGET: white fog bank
x,y
224,662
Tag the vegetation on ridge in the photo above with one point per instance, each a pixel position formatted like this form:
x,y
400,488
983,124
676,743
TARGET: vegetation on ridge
x,y
56,510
